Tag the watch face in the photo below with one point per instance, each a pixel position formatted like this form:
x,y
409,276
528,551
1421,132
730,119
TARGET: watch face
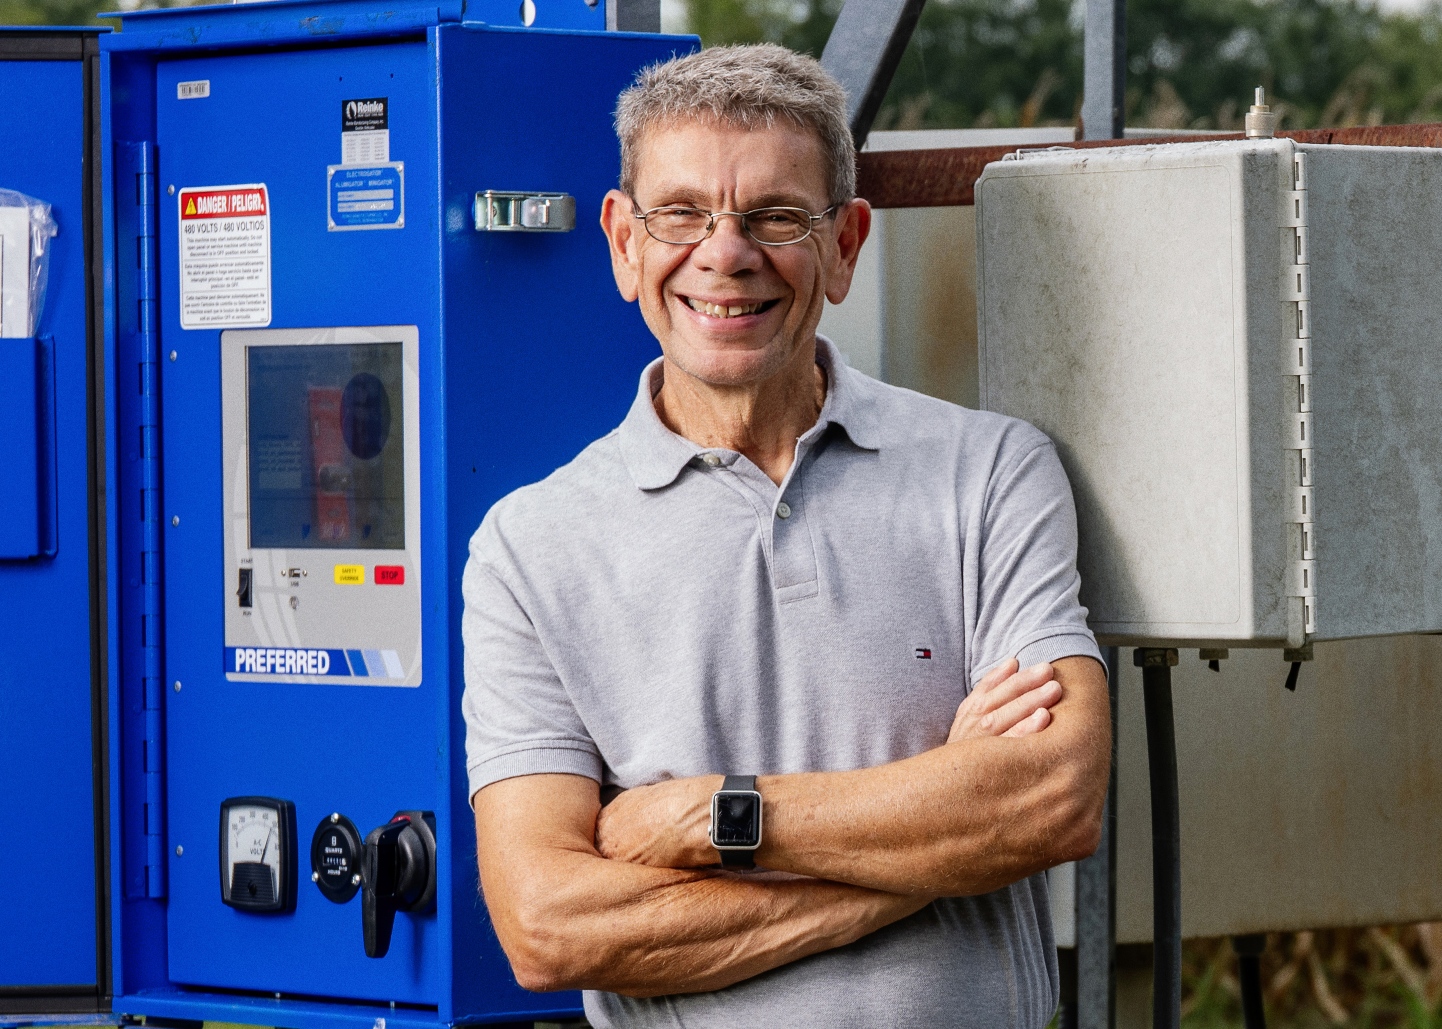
x,y
736,819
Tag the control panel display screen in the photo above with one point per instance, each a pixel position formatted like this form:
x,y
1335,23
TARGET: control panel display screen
x,y
325,444
321,451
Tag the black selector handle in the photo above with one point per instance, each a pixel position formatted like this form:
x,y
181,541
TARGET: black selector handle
x,y
398,874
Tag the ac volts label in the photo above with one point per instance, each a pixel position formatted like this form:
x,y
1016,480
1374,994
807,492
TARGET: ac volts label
x,y
224,256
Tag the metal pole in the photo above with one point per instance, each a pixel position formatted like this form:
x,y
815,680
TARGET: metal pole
x,y
1156,665
1104,67
1103,116
863,51
1096,902
1249,973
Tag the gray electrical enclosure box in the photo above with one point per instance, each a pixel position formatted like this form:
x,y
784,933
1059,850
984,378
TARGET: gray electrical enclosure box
x,y
1237,348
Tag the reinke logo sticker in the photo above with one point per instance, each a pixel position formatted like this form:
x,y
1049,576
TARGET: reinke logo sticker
x,y
365,135
365,115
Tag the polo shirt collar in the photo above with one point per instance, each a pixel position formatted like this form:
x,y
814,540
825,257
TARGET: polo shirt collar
x,y
655,455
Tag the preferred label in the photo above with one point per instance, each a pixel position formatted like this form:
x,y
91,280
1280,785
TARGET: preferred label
x,y
224,256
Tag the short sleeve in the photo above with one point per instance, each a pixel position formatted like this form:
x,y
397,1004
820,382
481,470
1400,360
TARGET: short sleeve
x,y
1029,596
519,717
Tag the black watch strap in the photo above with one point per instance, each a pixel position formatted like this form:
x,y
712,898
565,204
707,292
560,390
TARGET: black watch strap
x,y
738,858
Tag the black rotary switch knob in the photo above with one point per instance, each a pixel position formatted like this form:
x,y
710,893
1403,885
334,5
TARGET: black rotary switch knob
x,y
335,858
399,874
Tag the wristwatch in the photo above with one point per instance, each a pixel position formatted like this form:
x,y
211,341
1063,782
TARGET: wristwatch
x,y
735,829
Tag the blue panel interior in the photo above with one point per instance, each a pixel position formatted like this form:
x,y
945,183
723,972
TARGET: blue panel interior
x,y
20,456
48,927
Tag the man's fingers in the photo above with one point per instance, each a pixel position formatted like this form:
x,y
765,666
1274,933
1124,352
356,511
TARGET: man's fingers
x,y
1016,685
1000,700
1004,718
1020,684
997,675
1031,724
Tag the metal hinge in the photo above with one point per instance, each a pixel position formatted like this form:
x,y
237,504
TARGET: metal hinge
x,y
1296,296
142,632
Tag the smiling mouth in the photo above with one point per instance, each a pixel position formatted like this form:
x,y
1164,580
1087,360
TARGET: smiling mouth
x,y
725,311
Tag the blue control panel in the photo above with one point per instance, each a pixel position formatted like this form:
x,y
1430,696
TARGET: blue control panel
x,y
345,374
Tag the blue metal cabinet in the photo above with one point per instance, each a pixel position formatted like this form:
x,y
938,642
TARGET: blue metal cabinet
x,y
51,645
520,353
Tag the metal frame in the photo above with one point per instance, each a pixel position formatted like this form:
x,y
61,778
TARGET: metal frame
x,y
1104,69
81,44
863,52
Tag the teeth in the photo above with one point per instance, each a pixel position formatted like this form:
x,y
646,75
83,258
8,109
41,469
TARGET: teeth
x,y
722,311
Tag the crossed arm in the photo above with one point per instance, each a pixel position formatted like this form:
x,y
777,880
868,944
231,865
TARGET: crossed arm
x,y
619,898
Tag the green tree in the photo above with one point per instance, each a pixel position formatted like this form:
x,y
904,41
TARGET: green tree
x,y
1191,63
75,12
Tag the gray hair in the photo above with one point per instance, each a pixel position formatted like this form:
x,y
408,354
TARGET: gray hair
x,y
748,86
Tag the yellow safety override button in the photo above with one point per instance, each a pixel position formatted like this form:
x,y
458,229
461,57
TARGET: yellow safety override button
x,y
350,575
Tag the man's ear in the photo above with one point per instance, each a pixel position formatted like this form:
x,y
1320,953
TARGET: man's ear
x,y
619,225
853,225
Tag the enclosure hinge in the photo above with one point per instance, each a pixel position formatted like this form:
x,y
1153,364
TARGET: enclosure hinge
x,y
143,682
1296,297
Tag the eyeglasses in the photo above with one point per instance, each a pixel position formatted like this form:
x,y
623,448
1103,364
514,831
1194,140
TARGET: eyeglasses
x,y
769,226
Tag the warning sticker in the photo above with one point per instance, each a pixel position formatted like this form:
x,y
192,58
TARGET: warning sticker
x,y
224,256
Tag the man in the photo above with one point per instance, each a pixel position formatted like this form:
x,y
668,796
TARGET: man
x,y
777,567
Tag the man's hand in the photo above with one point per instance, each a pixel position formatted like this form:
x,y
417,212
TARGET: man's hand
x,y
1007,702
664,825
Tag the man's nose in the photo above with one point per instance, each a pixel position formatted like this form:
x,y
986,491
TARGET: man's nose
x,y
728,249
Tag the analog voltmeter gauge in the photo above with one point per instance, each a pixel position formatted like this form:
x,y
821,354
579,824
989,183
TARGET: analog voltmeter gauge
x,y
257,853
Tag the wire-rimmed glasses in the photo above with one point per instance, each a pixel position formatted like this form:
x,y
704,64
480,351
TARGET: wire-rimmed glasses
x,y
769,226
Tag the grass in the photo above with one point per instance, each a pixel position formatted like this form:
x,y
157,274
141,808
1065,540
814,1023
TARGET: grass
x,y
1376,978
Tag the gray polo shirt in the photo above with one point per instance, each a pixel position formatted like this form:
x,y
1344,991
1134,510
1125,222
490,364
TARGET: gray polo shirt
x,y
655,609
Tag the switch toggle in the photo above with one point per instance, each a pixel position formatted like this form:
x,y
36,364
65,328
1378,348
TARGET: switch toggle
x,y
242,590
399,874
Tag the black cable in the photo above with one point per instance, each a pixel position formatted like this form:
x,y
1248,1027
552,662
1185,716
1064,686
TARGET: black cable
x,y
1249,973
1292,676
1166,838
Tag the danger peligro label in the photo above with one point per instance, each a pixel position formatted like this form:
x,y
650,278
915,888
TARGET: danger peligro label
x,y
224,256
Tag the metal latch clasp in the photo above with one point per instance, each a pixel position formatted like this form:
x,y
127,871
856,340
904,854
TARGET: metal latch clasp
x,y
499,210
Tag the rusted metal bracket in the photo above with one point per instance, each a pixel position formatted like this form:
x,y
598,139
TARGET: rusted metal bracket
x,y
947,178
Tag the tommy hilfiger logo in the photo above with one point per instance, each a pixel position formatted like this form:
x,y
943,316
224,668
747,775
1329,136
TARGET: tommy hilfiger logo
x,y
923,653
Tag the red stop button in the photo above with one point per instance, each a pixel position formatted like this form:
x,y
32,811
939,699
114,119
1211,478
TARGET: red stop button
x,y
390,575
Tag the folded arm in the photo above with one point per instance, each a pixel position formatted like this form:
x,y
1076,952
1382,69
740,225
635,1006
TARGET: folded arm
x,y
971,816
570,919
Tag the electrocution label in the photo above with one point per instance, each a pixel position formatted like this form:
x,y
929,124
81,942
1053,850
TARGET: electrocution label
x,y
224,256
